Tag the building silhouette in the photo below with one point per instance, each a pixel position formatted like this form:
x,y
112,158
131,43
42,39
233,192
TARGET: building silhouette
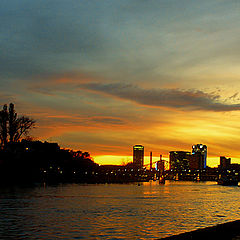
x,y
160,166
179,160
138,156
225,163
150,161
202,149
196,161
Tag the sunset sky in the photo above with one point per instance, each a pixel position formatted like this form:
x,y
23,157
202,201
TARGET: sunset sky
x,y
101,76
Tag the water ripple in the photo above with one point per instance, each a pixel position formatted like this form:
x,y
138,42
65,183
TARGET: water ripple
x,y
120,211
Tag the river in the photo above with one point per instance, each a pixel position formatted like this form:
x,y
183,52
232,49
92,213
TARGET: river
x,y
114,211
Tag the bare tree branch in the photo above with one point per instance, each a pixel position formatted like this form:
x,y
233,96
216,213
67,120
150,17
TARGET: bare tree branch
x,y
12,127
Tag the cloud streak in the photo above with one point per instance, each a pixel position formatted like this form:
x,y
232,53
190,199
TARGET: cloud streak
x,y
170,98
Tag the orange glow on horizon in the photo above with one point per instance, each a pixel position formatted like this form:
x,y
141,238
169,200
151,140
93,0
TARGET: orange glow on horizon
x,y
122,160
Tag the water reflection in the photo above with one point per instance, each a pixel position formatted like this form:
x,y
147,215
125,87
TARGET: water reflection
x,y
120,211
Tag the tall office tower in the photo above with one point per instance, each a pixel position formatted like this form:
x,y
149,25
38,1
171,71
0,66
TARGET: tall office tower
x,y
138,156
179,160
200,148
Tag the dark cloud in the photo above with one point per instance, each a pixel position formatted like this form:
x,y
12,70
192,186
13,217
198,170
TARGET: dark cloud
x,y
108,120
77,120
114,38
173,98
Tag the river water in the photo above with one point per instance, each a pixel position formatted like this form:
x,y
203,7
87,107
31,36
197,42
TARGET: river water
x,y
114,211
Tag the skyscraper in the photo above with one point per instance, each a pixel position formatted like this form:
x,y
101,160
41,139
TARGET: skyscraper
x,y
138,156
202,149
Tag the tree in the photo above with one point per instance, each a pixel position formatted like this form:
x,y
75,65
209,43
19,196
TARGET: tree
x,y
3,125
12,127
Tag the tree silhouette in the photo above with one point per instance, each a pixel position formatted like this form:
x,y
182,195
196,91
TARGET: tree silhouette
x,y
12,127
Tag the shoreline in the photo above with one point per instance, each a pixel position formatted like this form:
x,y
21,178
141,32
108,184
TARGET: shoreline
x,y
223,231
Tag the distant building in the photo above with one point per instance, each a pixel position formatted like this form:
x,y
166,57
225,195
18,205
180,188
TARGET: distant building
x,y
150,161
235,166
138,156
225,163
196,161
160,166
202,149
179,160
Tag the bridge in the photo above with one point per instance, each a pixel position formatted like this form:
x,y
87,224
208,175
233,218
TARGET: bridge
x,y
166,163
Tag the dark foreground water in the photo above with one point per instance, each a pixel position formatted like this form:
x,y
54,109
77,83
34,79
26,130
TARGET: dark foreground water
x,y
114,211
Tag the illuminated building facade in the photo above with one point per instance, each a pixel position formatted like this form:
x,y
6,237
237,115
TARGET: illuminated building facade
x,y
179,160
202,149
138,156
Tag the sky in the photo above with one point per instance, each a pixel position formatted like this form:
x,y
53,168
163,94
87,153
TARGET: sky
x,y
102,76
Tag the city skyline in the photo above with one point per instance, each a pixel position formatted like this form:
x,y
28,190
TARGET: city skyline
x,y
103,76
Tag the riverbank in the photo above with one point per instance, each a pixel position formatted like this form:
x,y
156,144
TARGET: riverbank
x,y
225,231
